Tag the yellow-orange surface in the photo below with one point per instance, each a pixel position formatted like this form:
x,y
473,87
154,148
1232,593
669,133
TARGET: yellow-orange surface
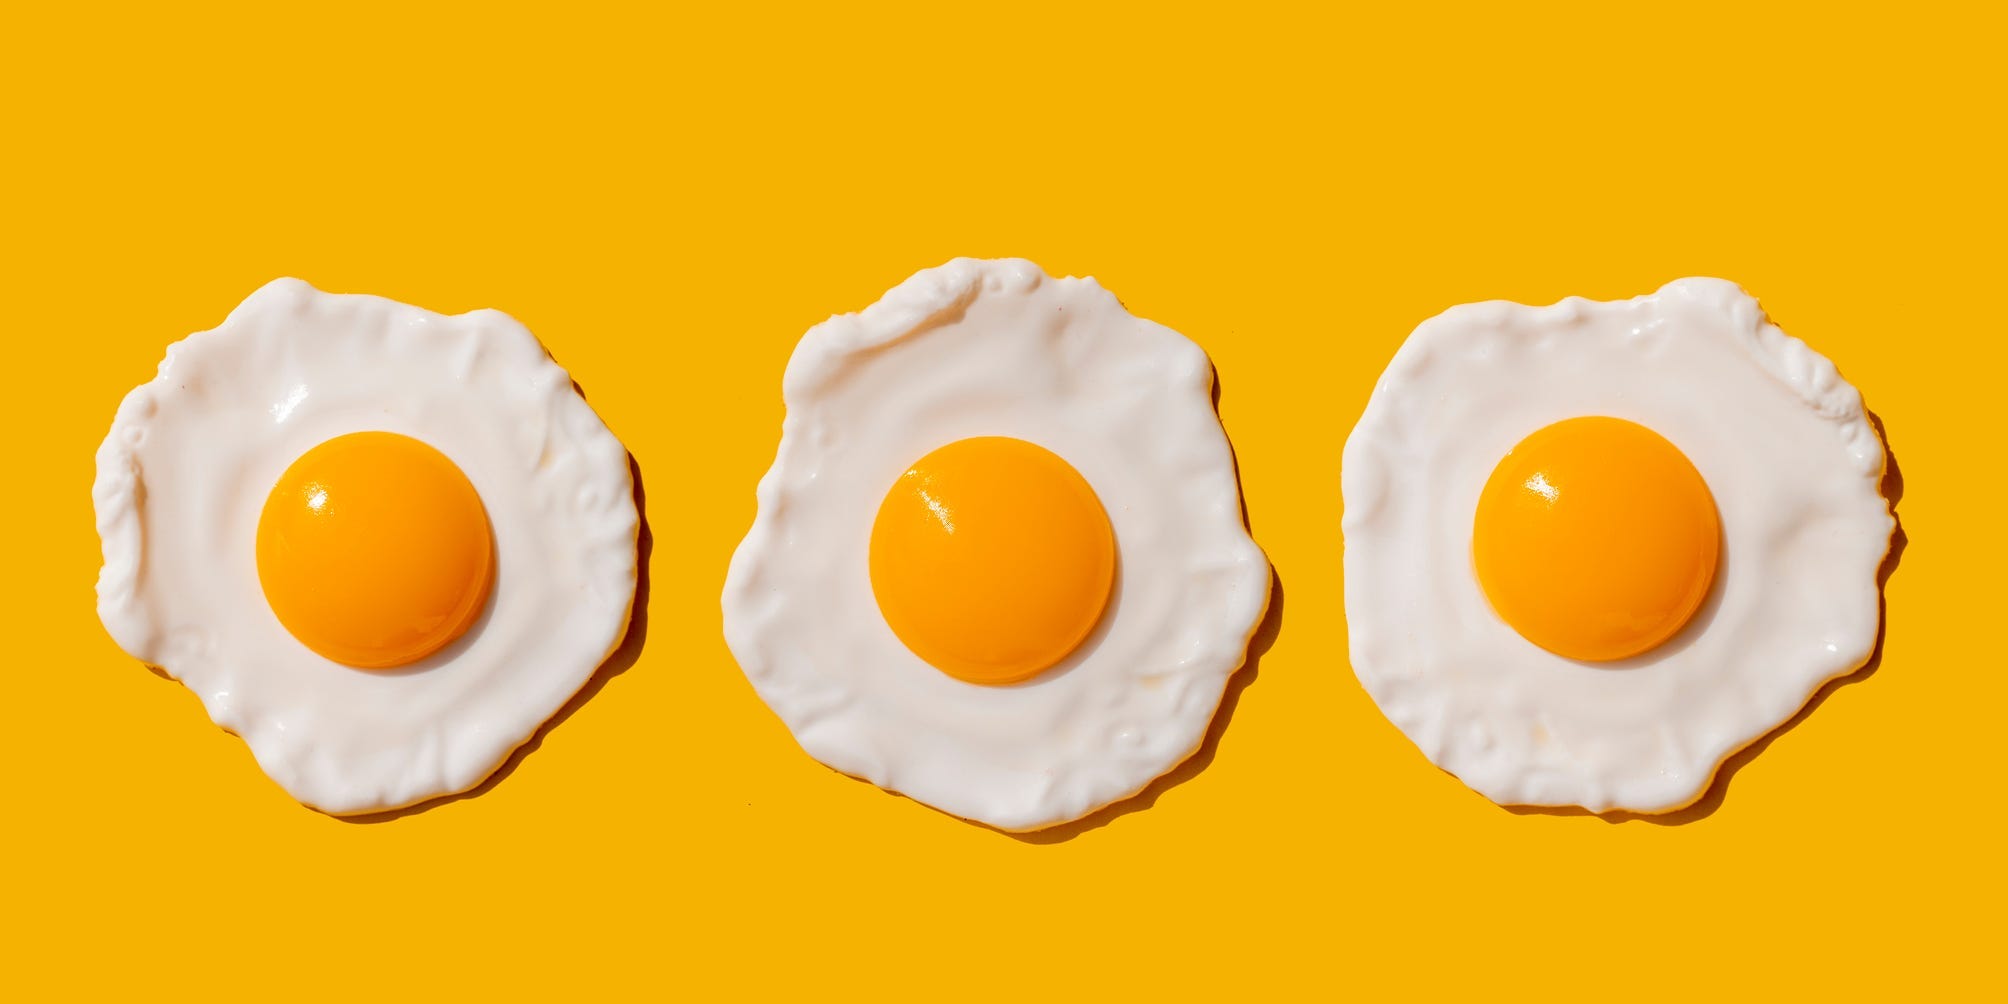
x,y
669,199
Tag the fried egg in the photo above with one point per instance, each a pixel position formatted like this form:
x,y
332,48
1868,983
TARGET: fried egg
x,y
1593,549
381,544
999,563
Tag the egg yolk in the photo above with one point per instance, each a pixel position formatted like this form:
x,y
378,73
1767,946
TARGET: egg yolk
x,y
991,559
374,550
1596,539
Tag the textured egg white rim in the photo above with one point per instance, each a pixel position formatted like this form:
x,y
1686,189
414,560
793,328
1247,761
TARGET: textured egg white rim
x,y
487,774
1803,365
1247,641
119,529
907,310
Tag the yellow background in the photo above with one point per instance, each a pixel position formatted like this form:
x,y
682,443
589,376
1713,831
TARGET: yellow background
x,y
669,200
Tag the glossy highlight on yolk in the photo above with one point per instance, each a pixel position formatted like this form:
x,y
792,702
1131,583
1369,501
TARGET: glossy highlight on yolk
x,y
1596,539
374,550
992,559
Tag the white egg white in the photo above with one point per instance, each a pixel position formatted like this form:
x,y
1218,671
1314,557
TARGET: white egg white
x,y
997,348
1795,469
183,476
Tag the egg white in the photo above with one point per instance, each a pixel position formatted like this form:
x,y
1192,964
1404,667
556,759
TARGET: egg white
x,y
996,348
1795,469
183,476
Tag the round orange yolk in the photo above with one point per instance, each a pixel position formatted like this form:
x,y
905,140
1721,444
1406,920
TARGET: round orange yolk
x,y
374,550
991,559
1596,539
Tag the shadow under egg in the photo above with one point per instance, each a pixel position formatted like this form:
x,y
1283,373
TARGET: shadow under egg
x,y
1711,798
1201,757
620,660
1260,641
